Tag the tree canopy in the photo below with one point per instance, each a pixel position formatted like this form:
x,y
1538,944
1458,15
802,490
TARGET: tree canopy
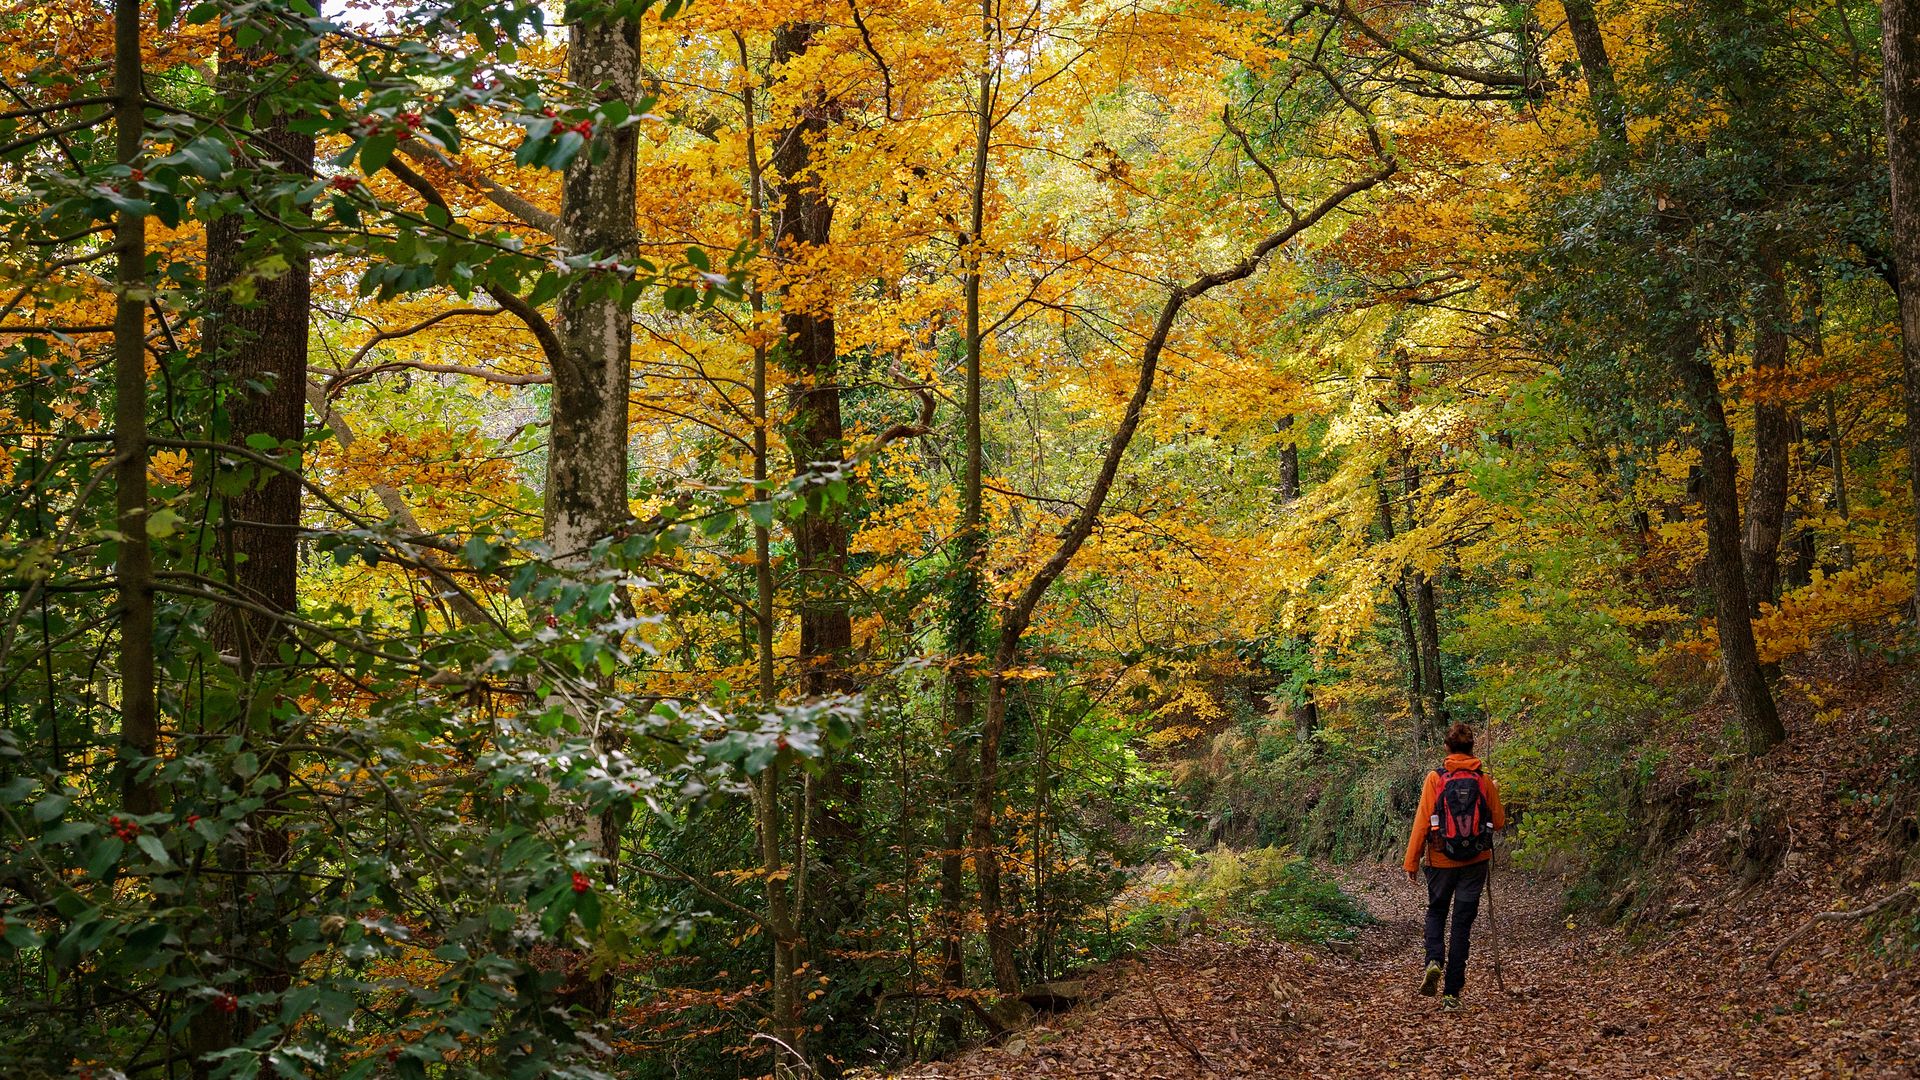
x,y
638,538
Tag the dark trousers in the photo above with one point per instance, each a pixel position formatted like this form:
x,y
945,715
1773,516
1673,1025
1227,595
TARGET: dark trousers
x,y
1458,887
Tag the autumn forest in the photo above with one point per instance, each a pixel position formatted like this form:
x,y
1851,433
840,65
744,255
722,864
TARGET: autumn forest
x,y
693,538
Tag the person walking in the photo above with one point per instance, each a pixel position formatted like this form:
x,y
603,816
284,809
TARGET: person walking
x,y
1459,811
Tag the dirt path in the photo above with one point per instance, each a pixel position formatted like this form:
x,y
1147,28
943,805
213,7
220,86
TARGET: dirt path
x,y
1232,1004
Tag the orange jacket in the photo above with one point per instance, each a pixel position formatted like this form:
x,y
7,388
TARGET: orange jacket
x,y
1429,795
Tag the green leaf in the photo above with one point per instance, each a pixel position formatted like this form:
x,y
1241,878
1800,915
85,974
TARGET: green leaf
x,y
65,832
51,807
155,850
20,935
375,152
105,855
209,157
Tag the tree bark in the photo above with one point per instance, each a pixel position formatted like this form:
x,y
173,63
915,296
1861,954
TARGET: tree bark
x,y
1410,641
1772,445
804,222
784,1011
1305,710
1596,70
1427,610
1719,491
260,346
139,720
586,484
1900,53
968,606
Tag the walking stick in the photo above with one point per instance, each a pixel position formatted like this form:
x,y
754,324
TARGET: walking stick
x,y
1493,927
1493,924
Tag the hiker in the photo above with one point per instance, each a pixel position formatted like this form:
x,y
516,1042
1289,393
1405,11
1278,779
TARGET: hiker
x,y
1459,811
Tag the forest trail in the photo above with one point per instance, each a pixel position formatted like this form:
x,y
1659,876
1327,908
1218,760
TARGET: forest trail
x,y
1577,1004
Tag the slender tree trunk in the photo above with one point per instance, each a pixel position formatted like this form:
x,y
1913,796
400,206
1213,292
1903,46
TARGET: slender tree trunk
x,y
968,601
954,830
139,720
1765,521
1900,51
586,484
970,606
1719,491
1416,693
1305,710
1426,606
785,1012
1836,449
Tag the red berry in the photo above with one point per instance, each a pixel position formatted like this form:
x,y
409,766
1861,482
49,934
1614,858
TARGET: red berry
x,y
344,183
193,819
548,112
581,883
139,175
552,621
584,128
226,1003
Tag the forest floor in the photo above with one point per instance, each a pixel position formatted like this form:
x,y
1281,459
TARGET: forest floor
x,y
1694,1001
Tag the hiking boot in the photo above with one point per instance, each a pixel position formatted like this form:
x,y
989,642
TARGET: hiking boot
x,y
1430,983
1450,1002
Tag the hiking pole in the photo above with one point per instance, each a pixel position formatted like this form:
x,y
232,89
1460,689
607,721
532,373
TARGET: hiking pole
x,y
1493,927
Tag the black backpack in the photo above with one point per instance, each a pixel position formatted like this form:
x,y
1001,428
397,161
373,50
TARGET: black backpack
x,y
1462,823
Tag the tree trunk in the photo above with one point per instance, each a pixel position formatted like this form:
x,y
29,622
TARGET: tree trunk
x,y
1427,610
953,874
261,348
970,595
1596,70
1719,491
1836,449
968,602
586,484
1305,710
784,1006
1772,445
1900,51
1416,693
804,222
133,567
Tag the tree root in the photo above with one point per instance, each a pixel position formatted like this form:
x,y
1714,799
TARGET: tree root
x,y
1900,897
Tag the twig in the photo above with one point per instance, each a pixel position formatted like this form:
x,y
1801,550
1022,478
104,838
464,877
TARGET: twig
x,y
1198,1058
1904,894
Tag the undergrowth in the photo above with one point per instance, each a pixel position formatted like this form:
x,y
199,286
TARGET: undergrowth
x,y
1270,886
